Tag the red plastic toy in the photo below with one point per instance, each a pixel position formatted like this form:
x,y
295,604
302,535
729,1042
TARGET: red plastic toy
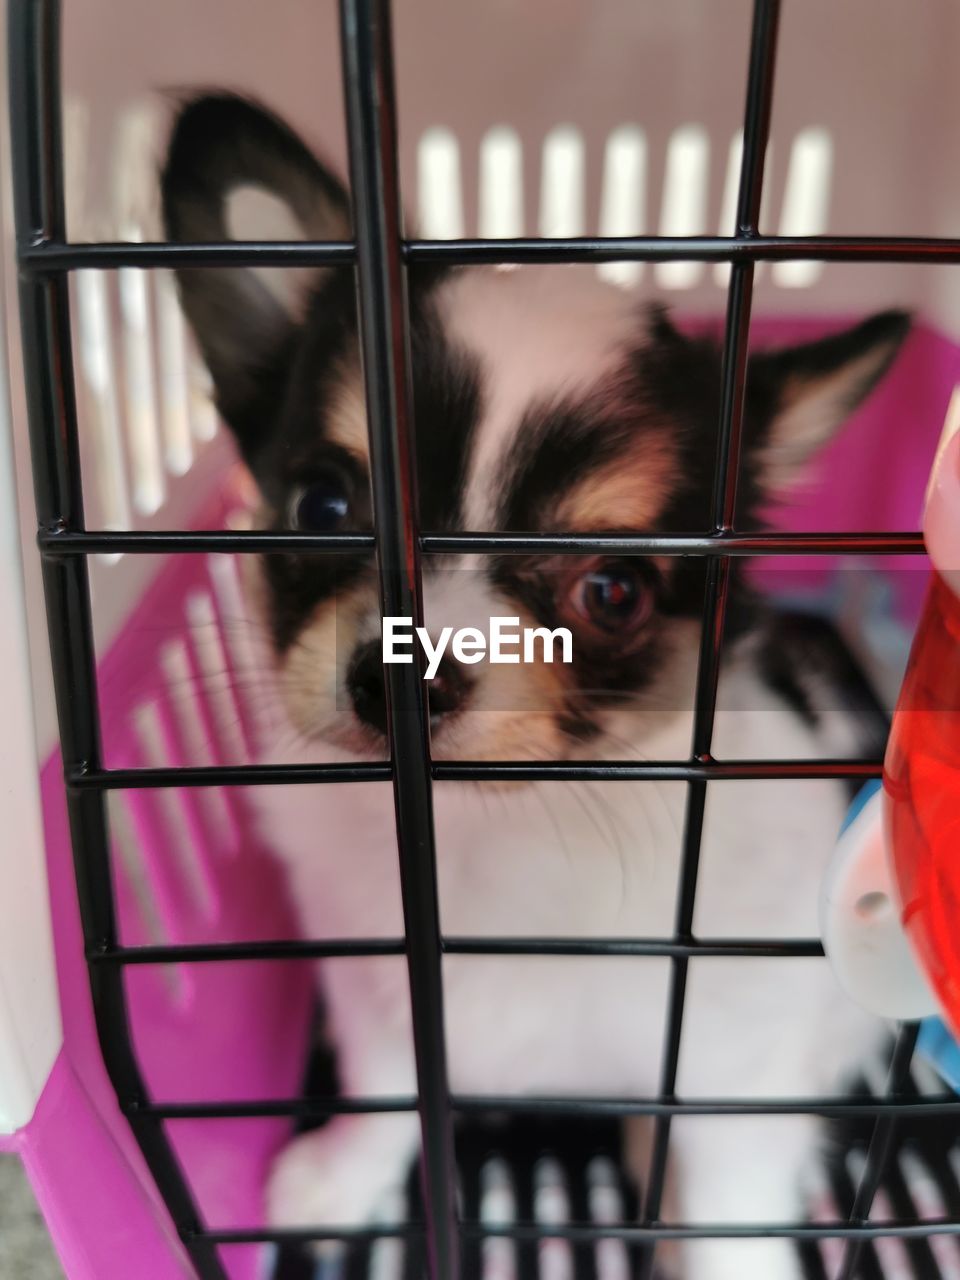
x,y
922,767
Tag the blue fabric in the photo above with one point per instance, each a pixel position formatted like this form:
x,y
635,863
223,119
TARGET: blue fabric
x,y
865,794
938,1047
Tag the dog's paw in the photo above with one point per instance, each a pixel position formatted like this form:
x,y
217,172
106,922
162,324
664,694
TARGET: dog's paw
x,y
338,1176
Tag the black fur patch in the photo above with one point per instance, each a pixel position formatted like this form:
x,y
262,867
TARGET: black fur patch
x,y
605,673
220,143
804,659
447,403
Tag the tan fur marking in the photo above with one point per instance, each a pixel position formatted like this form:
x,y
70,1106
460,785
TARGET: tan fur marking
x,y
811,412
311,671
511,715
629,493
346,424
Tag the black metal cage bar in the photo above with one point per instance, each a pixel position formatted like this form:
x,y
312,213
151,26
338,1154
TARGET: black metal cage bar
x,y
58,255
375,185
724,543
879,1149
756,129
380,255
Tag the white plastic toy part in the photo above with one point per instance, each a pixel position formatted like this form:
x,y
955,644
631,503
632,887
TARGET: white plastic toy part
x,y
860,923
30,1031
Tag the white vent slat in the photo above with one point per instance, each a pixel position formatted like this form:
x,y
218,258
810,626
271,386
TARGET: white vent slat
x,y
94,336
728,206
562,192
218,678
179,848
174,381
683,210
387,1256
98,366
551,1207
143,434
245,647
184,692
498,1208
143,922
806,203
439,185
606,1206
133,182
146,396
500,215
623,197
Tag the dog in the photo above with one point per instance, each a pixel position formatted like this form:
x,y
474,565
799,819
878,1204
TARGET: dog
x,y
545,400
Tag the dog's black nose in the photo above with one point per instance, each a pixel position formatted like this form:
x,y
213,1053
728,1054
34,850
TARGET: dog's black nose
x,y
446,692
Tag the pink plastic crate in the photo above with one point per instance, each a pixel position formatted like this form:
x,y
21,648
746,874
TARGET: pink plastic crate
x,y
188,867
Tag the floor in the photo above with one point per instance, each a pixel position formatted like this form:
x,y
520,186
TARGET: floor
x,y
25,1249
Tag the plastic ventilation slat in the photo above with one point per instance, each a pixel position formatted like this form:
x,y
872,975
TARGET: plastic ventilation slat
x,y
387,1257
562,183
440,185
174,379
624,194
551,1207
143,429
175,843
245,651
218,678
728,206
605,1201
184,690
806,203
146,397
623,198
141,920
683,209
501,215
91,291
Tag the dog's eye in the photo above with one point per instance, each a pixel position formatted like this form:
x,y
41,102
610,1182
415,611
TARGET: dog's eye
x,y
614,596
322,506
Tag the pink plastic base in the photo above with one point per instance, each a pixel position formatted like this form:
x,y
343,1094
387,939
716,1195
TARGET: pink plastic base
x,y
103,1213
202,1031
192,871
873,476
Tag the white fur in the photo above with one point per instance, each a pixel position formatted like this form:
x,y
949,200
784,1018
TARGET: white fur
x,y
538,332
556,859
598,859
592,859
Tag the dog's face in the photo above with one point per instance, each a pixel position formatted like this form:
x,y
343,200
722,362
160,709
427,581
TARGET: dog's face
x,y
544,401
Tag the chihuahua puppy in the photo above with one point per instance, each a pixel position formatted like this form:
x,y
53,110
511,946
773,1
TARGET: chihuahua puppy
x,y
545,400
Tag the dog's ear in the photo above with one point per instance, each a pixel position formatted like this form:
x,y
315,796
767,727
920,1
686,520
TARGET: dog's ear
x,y
233,171
798,397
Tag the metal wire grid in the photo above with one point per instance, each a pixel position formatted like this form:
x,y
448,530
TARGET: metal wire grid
x,y
381,255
